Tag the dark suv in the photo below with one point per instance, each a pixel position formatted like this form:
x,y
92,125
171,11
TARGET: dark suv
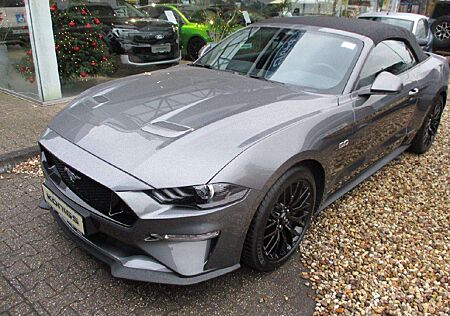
x,y
138,39
440,26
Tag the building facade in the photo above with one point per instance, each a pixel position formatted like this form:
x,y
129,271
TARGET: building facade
x,y
58,48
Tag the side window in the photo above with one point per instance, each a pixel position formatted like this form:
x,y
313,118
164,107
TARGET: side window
x,y
422,29
392,56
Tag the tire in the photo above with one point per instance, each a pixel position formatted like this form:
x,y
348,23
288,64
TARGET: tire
x,y
193,47
274,220
427,132
441,32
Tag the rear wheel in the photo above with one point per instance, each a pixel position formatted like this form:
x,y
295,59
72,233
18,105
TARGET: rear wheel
x,y
193,47
281,220
427,132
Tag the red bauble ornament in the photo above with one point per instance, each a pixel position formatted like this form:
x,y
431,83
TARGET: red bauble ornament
x,y
53,8
100,36
29,52
83,74
22,69
83,12
93,44
71,23
57,47
93,63
76,48
31,79
88,26
104,58
96,21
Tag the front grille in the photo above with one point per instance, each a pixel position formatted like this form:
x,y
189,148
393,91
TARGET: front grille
x,y
93,193
151,38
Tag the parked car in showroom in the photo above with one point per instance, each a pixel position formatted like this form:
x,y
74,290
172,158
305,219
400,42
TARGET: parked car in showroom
x,y
138,39
194,29
195,23
440,25
180,175
13,23
416,23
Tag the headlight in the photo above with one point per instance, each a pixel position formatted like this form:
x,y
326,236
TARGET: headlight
x,y
201,196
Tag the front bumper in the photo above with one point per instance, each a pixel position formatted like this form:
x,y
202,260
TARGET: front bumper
x,y
129,250
141,54
125,60
132,267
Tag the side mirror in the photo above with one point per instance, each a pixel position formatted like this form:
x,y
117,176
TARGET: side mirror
x,y
206,49
385,83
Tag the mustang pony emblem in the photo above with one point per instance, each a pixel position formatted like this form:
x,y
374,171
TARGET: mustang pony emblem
x,y
72,176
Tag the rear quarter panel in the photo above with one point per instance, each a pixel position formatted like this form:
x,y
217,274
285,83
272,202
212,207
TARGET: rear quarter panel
x,y
432,81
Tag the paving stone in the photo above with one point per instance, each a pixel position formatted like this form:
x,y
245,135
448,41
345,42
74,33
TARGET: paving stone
x,y
22,122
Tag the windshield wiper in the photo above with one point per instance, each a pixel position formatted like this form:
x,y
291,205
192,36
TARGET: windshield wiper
x,y
258,77
201,66
265,79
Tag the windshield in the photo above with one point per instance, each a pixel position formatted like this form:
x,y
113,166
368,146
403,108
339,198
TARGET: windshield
x,y
406,24
313,60
126,10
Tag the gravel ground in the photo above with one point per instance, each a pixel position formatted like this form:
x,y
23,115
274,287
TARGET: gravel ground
x,y
384,248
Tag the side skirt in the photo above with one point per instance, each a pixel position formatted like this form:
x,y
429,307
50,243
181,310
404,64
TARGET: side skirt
x,y
361,177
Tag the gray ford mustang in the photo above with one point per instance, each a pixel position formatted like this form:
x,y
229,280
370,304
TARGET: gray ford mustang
x,y
179,175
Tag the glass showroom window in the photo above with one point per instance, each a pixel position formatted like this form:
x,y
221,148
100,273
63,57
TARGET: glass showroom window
x,y
96,41
16,56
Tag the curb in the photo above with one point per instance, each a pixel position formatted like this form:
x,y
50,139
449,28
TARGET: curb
x,y
9,160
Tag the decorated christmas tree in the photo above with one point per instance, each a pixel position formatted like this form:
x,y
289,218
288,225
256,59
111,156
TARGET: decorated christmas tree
x,y
81,49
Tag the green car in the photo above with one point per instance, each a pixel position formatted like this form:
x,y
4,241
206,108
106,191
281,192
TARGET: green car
x,y
194,28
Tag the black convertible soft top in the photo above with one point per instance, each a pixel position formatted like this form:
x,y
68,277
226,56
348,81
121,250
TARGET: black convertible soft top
x,y
377,31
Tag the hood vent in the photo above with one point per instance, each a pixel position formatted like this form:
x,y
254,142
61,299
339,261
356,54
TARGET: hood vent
x,y
167,129
100,99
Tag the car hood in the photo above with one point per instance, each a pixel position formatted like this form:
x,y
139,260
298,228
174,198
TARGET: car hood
x,y
141,23
182,125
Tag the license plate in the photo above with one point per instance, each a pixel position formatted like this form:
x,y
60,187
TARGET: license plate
x,y
164,48
20,31
72,217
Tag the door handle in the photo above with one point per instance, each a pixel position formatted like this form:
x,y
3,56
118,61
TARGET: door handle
x,y
413,92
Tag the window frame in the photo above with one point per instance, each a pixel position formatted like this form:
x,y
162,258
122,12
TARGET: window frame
x,y
411,51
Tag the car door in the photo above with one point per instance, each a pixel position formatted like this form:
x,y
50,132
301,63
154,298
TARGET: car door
x,y
381,120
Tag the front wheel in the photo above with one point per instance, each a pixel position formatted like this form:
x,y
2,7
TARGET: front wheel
x,y
427,132
281,220
193,47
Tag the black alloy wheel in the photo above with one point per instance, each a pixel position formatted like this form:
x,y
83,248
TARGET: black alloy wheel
x,y
281,220
287,222
193,47
432,124
427,133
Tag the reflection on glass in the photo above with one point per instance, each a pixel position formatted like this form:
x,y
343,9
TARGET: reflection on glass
x,y
313,60
16,57
97,41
